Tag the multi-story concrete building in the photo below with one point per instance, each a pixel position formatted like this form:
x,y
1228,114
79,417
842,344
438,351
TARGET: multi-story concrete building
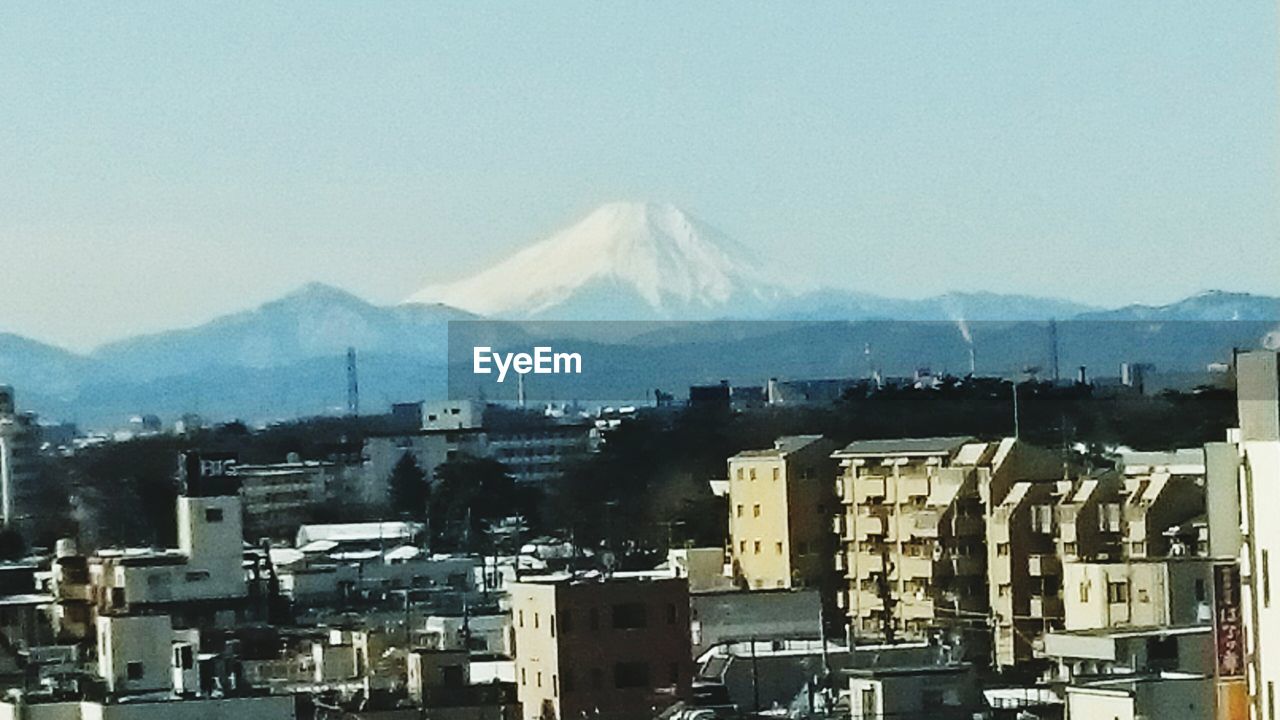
x,y
19,442
613,648
1257,463
914,537
1160,490
1137,593
202,582
280,497
777,500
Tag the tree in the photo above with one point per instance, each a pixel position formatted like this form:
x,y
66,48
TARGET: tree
x,y
410,491
470,493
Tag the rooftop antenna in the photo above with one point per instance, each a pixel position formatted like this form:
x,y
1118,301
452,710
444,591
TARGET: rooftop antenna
x,y
353,385
520,390
1053,348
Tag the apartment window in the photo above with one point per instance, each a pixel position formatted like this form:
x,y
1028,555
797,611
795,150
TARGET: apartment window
x,y
213,515
629,616
776,473
869,709
1069,548
739,473
539,681
183,657
742,547
778,547
755,510
739,510
1006,590
555,686
1266,579
1117,592
631,675
1084,592
535,621
1002,549
1109,518
134,670
756,547
753,473
552,620
1042,519
520,618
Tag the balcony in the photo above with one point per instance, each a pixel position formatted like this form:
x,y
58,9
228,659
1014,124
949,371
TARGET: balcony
x,y
915,567
868,488
925,523
870,525
966,526
914,486
967,565
1044,565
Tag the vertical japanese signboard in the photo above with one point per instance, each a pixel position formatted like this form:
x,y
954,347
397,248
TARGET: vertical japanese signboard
x,y
1229,644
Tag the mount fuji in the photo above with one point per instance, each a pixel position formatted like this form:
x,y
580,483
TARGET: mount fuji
x,y
623,261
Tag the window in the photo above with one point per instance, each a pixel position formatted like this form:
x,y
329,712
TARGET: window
x,y
869,709
631,675
1200,593
776,473
742,547
739,473
520,618
539,680
1005,590
524,679
1042,519
753,473
755,510
1002,549
629,616
134,671
778,547
552,620
739,510
1266,579
1084,592
197,575
555,686
757,547
1117,592
183,657
1109,518
535,621
213,515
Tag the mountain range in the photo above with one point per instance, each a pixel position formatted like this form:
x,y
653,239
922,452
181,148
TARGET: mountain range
x,y
623,261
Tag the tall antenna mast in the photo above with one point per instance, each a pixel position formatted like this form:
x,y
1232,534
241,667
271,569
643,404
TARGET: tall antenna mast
x,y
1053,347
353,385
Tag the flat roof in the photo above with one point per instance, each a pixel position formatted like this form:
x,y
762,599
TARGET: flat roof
x,y
927,446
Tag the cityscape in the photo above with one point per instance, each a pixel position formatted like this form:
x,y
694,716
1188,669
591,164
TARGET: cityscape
x,y
639,362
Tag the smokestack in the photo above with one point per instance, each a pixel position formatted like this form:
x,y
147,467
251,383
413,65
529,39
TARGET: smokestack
x,y
1082,376
973,362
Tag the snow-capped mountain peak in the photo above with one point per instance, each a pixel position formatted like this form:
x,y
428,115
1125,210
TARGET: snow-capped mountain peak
x,y
632,260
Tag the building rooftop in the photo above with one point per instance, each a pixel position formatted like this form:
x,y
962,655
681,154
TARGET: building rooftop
x,y
782,446
923,447
360,532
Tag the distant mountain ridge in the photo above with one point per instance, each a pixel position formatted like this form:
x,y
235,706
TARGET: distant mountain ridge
x,y
624,261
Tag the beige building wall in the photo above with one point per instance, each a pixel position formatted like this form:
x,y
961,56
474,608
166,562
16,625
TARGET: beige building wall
x,y
619,647
779,500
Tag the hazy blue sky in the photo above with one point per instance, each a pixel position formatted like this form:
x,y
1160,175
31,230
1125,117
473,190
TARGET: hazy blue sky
x,y
162,164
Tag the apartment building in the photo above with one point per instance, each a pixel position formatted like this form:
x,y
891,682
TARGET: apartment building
x,y
778,499
615,648
1257,461
19,442
1137,593
1159,490
277,498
